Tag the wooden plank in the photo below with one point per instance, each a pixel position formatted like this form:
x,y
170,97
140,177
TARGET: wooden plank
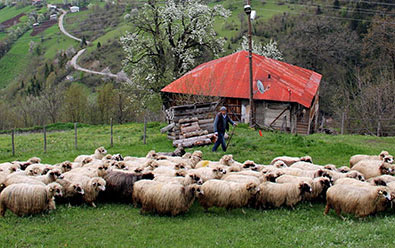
x,y
206,121
195,133
168,127
190,129
185,120
180,141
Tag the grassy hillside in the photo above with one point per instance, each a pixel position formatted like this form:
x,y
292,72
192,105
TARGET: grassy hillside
x,y
121,225
9,12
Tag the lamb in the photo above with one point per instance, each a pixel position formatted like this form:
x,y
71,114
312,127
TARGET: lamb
x,y
360,201
356,158
169,198
120,184
24,199
372,168
99,154
279,194
227,194
291,160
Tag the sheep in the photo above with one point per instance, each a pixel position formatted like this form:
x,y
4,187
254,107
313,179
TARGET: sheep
x,y
168,198
291,160
4,173
34,160
272,176
70,190
382,180
50,177
372,168
17,179
99,154
306,173
65,166
334,175
226,194
356,158
352,181
139,189
119,185
100,171
343,169
91,186
241,179
206,173
279,194
37,169
24,199
310,166
357,200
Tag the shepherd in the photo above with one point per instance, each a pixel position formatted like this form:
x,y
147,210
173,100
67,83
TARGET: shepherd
x,y
221,124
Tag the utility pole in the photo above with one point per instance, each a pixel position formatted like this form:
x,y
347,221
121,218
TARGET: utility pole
x,y
247,10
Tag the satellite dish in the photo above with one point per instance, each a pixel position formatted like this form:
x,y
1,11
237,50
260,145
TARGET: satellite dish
x,y
253,14
260,86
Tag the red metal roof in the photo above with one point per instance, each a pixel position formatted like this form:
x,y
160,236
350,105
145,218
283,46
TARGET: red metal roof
x,y
229,77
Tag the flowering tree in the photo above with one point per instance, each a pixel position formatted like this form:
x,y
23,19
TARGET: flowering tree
x,y
269,50
167,40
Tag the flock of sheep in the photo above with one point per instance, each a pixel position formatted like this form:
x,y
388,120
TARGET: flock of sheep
x,y
168,185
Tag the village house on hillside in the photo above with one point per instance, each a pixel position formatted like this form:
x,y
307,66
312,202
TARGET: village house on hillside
x,y
288,99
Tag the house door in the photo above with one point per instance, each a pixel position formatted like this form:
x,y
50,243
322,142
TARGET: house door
x,y
234,108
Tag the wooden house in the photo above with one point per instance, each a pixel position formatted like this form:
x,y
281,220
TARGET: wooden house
x,y
287,101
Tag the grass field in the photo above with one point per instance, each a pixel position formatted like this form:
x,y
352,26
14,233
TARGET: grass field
x,y
121,225
10,12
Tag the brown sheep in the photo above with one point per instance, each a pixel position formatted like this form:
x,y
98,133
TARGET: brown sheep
x,y
169,198
227,194
24,199
280,194
372,168
357,200
356,158
119,185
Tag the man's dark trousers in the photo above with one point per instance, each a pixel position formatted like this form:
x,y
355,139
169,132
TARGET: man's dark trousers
x,y
220,141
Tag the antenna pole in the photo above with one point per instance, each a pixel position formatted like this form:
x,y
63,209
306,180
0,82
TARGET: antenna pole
x,y
252,107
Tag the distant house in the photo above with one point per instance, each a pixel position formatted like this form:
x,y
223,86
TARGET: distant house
x,y
74,9
285,96
53,17
51,6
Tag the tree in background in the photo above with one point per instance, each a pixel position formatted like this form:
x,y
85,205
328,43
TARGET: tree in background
x,y
269,50
75,102
167,40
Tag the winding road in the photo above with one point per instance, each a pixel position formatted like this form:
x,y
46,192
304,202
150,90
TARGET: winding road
x,y
121,76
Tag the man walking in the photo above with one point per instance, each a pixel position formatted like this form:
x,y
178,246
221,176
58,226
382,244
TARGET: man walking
x,y
221,124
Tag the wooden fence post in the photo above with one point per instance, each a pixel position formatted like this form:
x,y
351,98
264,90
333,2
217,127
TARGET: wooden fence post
x,y
112,140
342,127
13,142
75,135
45,139
145,130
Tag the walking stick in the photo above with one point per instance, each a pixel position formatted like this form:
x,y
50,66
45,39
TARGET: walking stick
x,y
230,137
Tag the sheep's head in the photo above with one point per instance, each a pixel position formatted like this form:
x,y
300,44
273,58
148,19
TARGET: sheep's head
x,y
34,160
55,189
383,194
117,157
78,189
152,164
101,150
305,188
151,154
307,159
323,173
98,184
379,182
226,160
385,168
138,170
87,160
196,190
24,165
344,169
66,166
252,188
280,164
107,157
187,155
389,159
148,176
55,173
249,164
197,154
325,182
272,176
45,171
331,167
34,171
101,170
121,165
13,168
355,174
383,154
180,166
218,172
196,179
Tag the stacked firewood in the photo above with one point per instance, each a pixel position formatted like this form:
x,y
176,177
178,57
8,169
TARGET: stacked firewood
x,y
191,125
